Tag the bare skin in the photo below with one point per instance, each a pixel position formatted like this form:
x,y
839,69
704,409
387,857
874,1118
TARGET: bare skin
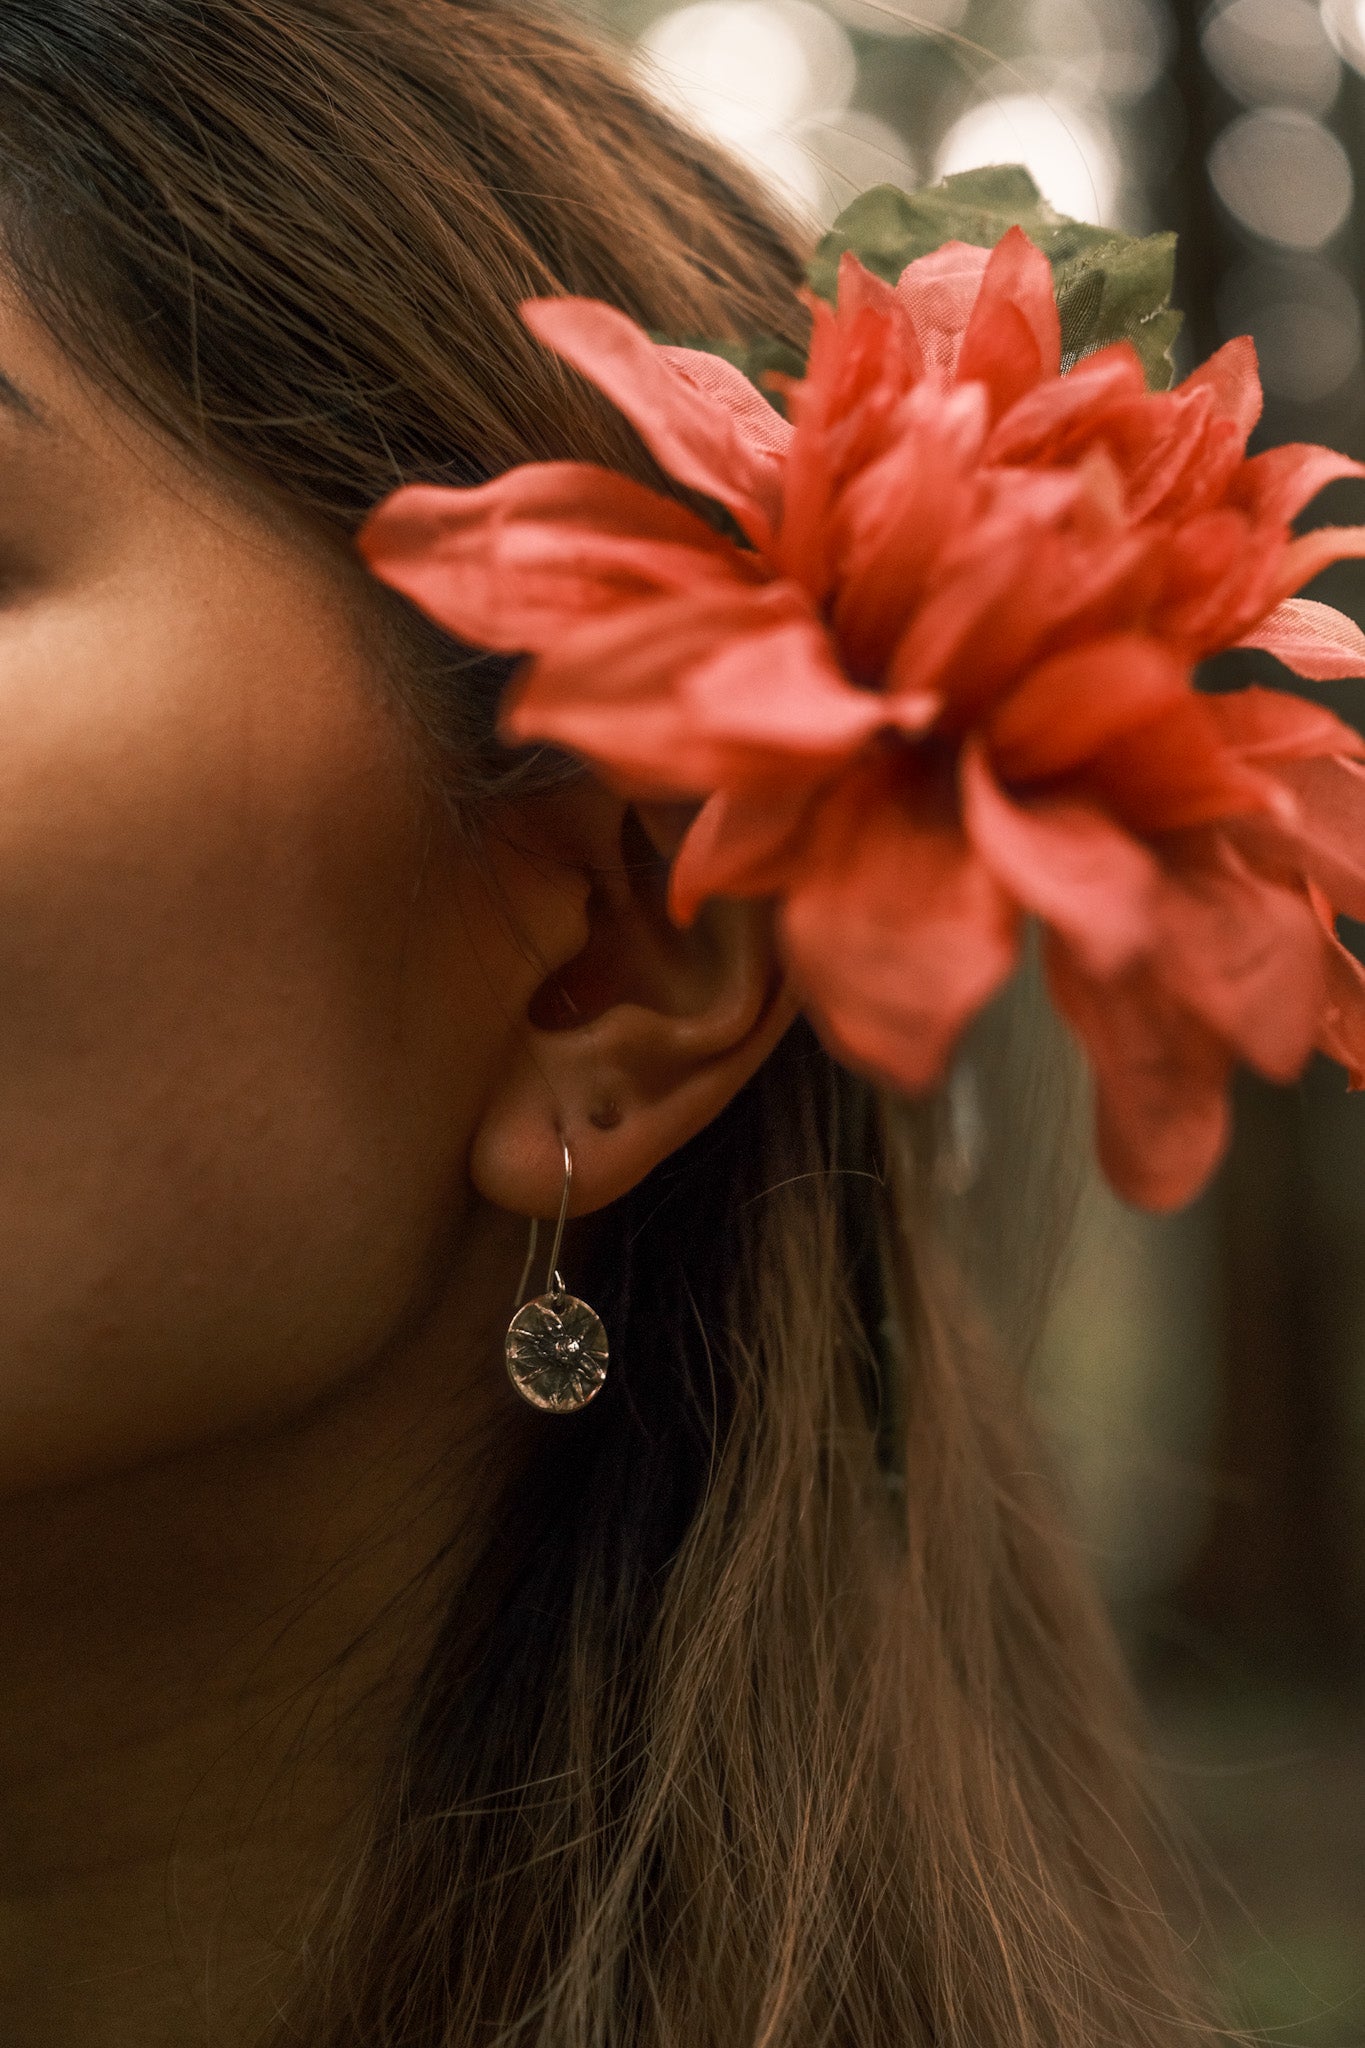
x,y
283,1071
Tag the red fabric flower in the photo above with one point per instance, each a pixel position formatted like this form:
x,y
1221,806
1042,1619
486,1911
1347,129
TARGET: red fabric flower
x,y
945,683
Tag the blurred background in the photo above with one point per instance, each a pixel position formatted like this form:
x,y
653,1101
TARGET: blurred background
x,y
1205,1375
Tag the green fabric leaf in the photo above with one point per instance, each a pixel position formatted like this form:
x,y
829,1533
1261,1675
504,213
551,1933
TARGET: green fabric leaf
x,y
887,228
1121,291
1110,287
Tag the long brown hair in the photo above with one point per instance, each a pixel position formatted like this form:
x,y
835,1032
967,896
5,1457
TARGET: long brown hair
x,y
798,1724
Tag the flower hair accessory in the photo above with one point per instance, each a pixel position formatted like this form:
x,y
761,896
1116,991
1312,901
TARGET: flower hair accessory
x,y
936,677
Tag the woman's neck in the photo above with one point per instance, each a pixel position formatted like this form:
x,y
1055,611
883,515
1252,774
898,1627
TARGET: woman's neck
x,y
203,1665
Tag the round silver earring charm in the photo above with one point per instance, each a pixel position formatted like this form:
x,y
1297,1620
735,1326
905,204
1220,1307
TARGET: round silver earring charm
x,y
557,1352
556,1348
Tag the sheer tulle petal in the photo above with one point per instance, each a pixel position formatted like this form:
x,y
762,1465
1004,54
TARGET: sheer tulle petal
x,y
938,292
859,292
1312,639
760,423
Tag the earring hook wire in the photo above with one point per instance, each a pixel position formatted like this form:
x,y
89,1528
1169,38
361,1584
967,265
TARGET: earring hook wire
x,y
553,1282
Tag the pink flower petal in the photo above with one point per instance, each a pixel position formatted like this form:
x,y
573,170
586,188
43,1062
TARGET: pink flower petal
x,y
897,934
1067,708
690,694
1243,953
890,521
1266,726
750,844
760,423
1232,376
1161,1076
1066,863
1014,338
1000,590
631,658
1219,574
1312,639
784,694
1174,771
1330,832
1277,485
1185,457
860,290
863,361
697,436
1041,425
857,286
1313,552
938,292
609,692
1343,1031
513,564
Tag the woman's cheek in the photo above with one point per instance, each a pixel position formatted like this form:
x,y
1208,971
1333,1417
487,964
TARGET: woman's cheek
x,y
240,1045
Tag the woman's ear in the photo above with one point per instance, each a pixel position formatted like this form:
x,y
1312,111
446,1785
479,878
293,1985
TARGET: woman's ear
x,y
628,1035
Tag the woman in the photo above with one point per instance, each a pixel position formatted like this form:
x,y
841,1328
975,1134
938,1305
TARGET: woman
x,y
346,1699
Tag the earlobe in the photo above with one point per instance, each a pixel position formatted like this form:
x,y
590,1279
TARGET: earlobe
x,y
634,1044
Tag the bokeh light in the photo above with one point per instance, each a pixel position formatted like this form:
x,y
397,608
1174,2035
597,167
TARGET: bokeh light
x,y
1273,52
1344,21
750,74
1072,157
849,153
1305,319
1283,176
1113,49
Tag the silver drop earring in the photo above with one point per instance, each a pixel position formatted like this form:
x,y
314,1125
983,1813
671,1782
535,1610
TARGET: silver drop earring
x,y
556,1348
